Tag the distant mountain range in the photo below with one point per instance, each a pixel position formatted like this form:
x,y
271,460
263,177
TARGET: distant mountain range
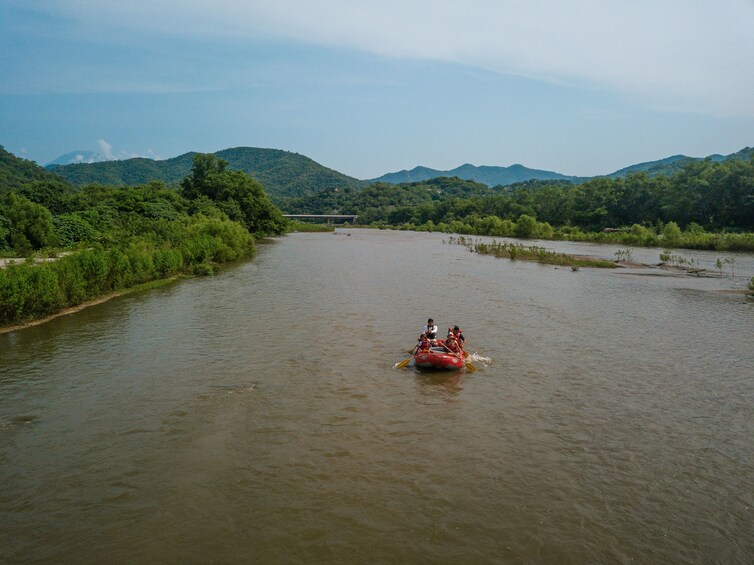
x,y
491,176
285,174
503,176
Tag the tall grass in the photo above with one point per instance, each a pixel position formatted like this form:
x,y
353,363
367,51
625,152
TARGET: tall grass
x,y
30,290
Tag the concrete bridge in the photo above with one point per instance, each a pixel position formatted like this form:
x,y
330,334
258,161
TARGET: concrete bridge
x,y
329,217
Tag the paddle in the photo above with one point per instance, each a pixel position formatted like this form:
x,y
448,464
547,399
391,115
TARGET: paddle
x,y
469,366
406,362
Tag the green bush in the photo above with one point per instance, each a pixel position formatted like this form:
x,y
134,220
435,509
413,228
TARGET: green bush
x,y
526,226
72,228
31,224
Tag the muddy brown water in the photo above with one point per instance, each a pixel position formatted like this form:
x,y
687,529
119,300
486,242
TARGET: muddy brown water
x,y
256,416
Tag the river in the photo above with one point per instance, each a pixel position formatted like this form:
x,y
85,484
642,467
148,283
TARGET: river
x,y
256,417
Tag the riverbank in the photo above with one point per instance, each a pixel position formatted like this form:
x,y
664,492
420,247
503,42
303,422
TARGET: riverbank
x,y
99,300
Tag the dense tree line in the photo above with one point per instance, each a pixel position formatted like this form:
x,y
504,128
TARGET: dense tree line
x,y
124,236
713,195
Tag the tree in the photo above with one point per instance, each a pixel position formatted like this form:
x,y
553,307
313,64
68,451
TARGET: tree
x,y
31,224
526,226
238,195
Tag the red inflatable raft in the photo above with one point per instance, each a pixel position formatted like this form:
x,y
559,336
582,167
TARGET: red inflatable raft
x,y
437,358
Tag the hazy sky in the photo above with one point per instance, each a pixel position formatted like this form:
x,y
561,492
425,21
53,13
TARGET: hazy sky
x,y
582,87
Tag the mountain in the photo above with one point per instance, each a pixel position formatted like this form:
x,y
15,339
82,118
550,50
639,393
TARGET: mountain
x,y
282,173
78,157
15,172
503,176
491,176
671,165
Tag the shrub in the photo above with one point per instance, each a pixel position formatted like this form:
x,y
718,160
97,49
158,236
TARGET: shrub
x,y
526,226
72,228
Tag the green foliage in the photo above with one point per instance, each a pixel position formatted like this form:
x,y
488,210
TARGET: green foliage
x,y
526,226
516,251
72,229
126,236
16,172
31,224
705,194
236,194
53,194
298,226
671,233
29,291
751,284
282,173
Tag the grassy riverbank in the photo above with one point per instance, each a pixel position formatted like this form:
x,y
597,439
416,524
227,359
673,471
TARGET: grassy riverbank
x,y
34,290
668,236
99,300
118,238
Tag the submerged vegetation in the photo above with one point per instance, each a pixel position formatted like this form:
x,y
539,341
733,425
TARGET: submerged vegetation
x,y
517,251
125,236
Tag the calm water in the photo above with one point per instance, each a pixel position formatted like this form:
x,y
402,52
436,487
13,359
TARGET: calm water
x,y
256,417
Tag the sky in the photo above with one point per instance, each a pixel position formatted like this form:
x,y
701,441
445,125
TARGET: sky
x,y
583,87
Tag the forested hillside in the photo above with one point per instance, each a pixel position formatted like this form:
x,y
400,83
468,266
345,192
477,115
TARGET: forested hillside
x,y
282,173
671,165
15,172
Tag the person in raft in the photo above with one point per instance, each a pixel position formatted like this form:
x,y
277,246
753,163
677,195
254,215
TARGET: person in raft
x,y
451,344
430,330
423,344
456,332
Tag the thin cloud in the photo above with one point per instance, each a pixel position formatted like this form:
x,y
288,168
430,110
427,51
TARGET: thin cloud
x,y
677,55
105,149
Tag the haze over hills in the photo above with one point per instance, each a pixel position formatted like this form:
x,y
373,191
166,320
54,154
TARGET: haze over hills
x,y
80,156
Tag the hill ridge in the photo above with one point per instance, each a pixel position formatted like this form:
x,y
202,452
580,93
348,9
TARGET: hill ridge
x,y
282,173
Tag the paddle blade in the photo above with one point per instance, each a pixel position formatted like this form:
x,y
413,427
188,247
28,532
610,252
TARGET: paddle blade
x,y
470,367
403,363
